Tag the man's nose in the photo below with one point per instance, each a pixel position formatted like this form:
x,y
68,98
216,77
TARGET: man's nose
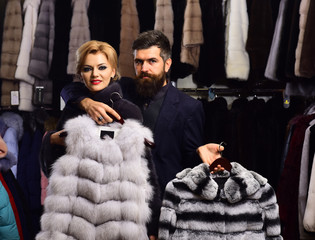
x,y
145,67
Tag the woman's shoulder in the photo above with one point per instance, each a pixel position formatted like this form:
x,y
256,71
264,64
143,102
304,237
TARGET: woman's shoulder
x,y
127,109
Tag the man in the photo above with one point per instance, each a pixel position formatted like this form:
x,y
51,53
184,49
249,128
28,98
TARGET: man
x,y
176,119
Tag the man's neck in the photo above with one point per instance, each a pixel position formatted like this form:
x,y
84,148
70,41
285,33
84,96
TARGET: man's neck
x,y
162,91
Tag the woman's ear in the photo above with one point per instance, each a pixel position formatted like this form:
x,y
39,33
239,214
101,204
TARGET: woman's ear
x,y
113,73
3,148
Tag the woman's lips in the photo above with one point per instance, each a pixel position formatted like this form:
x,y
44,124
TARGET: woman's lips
x,y
95,82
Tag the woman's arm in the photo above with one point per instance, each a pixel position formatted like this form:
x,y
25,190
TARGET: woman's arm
x,y
76,93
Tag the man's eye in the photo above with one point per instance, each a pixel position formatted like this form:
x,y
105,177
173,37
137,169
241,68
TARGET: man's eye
x,y
86,69
138,62
102,67
152,61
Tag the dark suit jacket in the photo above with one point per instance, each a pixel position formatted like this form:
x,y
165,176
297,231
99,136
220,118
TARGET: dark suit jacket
x,y
179,129
178,132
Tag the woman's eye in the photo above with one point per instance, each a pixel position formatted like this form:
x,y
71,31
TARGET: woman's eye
x,y
102,67
86,69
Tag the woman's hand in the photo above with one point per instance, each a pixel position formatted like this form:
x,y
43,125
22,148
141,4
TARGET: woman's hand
x,y
98,111
3,148
58,138
210,152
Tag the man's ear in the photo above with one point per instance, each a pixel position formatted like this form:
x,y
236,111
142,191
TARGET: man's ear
x,y
167,64
3,148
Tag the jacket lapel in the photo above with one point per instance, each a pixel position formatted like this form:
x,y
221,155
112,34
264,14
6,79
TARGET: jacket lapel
x,y
167,113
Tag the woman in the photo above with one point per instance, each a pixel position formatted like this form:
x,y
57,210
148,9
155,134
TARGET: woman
x,y
97,66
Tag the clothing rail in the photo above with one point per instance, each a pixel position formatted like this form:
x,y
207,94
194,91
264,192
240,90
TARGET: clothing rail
x,y
213,92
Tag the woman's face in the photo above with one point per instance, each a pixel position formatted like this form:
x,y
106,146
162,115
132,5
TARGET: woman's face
x,y
97,72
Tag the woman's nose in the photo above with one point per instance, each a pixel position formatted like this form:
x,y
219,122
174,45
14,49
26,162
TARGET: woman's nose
x,y
95,72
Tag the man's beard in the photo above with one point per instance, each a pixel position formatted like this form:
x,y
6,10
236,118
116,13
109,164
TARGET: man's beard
x,y
149,87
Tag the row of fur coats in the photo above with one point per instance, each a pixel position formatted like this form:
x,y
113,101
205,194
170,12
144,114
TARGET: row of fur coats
x,y
46,35
205,37
296,182
291,56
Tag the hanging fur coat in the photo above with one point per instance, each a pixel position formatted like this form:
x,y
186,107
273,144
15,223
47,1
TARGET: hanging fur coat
x,y
11,42
42,52
99,189
79,32
237,59
30,10
229,205
11,39
192,34
164,19
129,31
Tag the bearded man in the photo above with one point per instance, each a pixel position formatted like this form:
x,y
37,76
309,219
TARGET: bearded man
x,y
176,119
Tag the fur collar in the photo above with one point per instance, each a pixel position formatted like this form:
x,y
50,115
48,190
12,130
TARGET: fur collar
x,y
92,146
239,183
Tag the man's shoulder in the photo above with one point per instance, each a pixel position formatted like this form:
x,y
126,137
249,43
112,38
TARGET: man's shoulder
x,y
185,104
183,97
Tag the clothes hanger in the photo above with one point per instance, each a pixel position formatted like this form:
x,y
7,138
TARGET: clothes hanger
x,y
147,142
222,161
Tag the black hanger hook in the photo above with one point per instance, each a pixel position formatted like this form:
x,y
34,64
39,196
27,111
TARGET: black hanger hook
x,y
221,144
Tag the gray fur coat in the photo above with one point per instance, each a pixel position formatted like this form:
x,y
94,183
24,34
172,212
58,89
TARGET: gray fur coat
x,y
99,188
236,205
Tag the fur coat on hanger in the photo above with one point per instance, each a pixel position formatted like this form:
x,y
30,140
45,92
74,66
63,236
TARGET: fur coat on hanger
x,y
229,205
99,189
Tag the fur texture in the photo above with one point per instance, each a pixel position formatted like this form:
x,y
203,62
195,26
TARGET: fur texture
x,y
99,189
233,205
236,30
15,121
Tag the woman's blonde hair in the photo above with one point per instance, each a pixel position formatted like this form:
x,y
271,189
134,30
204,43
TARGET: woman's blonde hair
x,y
93,47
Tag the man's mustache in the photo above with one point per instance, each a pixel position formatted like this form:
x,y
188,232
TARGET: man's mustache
x,y
144,74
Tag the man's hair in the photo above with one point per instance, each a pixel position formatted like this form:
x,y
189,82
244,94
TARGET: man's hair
x,y
153,38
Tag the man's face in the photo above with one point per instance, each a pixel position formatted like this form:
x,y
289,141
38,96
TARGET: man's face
x,y
150,71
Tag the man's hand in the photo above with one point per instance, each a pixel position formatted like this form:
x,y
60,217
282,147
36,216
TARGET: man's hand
x,y
210,152
98,111
218,168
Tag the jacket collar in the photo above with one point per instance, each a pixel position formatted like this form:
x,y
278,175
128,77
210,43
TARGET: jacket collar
x,y
109,94
238,184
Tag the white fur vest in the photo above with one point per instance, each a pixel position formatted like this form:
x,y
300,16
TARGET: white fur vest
x,y
99,188
233,205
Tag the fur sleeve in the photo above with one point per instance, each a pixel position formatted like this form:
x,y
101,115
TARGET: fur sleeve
x,y
271,210
168,213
